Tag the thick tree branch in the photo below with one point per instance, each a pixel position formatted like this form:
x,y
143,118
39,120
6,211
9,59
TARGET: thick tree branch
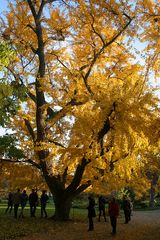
x,y
106,125
41,9
32,8
78,175
64,176
82,187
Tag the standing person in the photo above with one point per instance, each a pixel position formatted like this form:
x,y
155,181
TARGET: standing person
x,y
91,212
10,203
44,198
33,200
16,201
127,209
101,205
24,199
113,212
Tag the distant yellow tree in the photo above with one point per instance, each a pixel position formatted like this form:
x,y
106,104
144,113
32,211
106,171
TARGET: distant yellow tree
x,y
88,109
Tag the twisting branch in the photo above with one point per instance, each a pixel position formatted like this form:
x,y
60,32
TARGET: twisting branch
x,y
94,30
105,129
61,63
106,125
98,54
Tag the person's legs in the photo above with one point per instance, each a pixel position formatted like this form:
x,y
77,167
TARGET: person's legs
x,y
11,206
34,210
7,208
22,210
104,214
129,216
31,210
113,221
126,216
91,226
44,209
16,210
99,214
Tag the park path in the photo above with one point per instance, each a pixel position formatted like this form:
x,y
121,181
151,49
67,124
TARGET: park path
x,y
143,226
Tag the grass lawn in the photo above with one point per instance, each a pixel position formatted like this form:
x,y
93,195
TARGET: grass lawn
x,y
145,225
12,228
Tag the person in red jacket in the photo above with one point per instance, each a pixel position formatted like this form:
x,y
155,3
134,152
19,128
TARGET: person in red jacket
x,y
113,211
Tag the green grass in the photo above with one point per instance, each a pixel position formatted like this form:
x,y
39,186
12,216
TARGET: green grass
x,y
12,228
15,229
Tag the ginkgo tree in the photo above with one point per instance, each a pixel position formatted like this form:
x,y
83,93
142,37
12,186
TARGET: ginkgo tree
x,y
87,109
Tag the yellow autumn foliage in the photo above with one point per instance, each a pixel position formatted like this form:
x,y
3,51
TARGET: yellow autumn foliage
x,y
80,72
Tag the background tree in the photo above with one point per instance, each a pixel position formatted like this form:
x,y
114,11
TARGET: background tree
x,y
7,103
152,170
87,109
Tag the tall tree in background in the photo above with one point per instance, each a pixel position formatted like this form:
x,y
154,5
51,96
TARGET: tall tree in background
x,y
86,109
7,103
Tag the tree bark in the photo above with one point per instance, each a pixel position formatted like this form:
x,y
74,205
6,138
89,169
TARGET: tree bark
x,y
154,181
63,206
64,196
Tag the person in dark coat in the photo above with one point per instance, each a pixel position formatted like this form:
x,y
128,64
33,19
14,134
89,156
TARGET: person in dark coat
x,y
16,201
127,209
10,203
24,199
33,201
91,212
113,212
101,205
44,198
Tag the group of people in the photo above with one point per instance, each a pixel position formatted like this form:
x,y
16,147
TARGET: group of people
x,y
18,198
113,211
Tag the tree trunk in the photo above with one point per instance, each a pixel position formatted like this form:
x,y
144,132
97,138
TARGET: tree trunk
x,y
154,181
62,199
62,208
152,196
62,196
